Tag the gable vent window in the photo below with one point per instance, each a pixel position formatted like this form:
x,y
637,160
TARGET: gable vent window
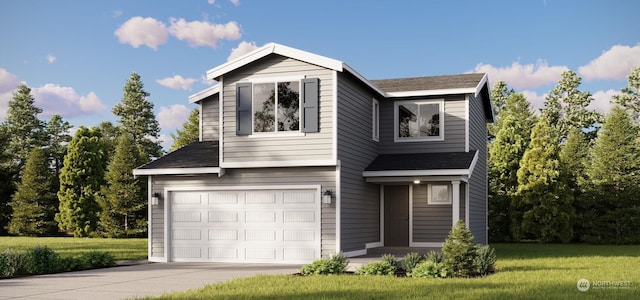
x,y
278,106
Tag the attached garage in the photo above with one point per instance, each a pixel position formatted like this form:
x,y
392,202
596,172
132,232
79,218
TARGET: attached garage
x,y
243,224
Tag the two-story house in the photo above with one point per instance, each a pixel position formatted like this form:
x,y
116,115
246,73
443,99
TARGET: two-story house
x,y
300,157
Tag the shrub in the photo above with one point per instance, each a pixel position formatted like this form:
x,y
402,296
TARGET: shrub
x,y
411,260
42,260
432,269
390,259
485,260
383,267
70,264
336,264
12,264
459,250
435,256
96,259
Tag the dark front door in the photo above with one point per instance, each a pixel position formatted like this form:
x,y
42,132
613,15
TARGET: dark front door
x,y
396,215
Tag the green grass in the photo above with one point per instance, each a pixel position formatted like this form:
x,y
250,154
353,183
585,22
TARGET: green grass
x,y
525,271
122,249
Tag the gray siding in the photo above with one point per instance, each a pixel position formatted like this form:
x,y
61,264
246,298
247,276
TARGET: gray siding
x,y
454,127
311,146
210,111
324,176
431,223
360,201
478,180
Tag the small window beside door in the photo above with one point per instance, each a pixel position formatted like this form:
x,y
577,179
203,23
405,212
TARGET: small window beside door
x,y
439,193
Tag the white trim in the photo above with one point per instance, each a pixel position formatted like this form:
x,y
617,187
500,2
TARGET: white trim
x,y
449,194
412,179
441,125
466,204
455,195
200,124
167,223
438,92
176,171
426,244
150,214
410,214
355,253
275,163
334,116
382,214
275,81
338,208
375,119
472,166
482,82
373,245
277,49
197,97
221,124
276,134
364,80
466,123
409,173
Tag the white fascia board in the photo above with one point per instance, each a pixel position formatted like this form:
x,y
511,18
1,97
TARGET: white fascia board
x,y
176,171
276,49
482,82
411,179
364,80
391,173
204,94
277,164
473,163
432,92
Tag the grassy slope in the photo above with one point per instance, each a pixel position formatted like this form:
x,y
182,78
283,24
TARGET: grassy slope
x,y
122,249
525,271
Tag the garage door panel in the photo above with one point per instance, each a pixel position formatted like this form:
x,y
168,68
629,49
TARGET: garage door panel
x,y
299,217
260,216
260,197
299,254
187,252
298,235
292,197
225,198
260,235
228,253
223,216
260,253
223,235
187,216
187,234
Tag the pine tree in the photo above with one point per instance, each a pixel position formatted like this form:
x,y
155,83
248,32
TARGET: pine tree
x,y
543,206
110,136
572,159
611,209
7,175
630,98
58,138
80,182
459,250
123,204
35,203
137,117
189,133
499,95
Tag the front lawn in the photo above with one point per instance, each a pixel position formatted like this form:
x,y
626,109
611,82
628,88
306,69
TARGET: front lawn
x,y
523,271
121,249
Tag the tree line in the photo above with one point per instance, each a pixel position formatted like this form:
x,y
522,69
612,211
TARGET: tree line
x,y
567,173
52,183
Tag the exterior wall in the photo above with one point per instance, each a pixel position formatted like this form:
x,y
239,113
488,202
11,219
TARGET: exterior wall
x,y
431,223
478,181
325,176
210,110
277,147
360,201
454,127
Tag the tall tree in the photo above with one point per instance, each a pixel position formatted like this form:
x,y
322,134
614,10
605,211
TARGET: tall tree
x,y
499,95
7,175
630,98
611,208
543,207
110,134
123,202
566,106
189,133
80,181
35,202
58,138
137,117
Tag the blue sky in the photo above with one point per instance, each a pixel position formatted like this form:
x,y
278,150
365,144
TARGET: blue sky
x,y
77,55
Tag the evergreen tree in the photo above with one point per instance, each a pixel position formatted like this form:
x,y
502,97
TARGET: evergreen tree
x,y
189,133
7,175
572,159
35,203
58,138
611,209
123,204
80,182
499,95
630,98
110,135
137,117
543,206
459,250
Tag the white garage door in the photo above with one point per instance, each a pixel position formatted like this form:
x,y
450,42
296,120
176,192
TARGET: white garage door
x,y
245,226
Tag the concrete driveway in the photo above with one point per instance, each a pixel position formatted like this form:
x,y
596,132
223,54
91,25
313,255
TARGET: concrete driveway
x,y
132,281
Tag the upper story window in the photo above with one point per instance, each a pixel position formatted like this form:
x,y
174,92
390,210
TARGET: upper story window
x,y
276,106
421,120
375,117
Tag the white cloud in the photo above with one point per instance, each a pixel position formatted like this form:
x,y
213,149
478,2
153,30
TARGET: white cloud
x,y
242,49
602,100
235,2
173,116
615,63
139,31
177,82
204,80
537,101
520,76
8,84
65,101
202,33
51,59
211,1
165,141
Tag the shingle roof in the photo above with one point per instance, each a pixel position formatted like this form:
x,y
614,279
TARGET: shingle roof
x,y
194,155
422,161
429,83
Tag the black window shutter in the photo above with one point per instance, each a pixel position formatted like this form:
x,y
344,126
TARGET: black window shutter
x,y
243,108
310,112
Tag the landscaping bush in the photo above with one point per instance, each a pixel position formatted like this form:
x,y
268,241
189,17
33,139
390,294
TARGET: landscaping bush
x,y
435,256
411,260
68,264
383,267
391,259
432,269
485,260
42,260
336,264
11,263
97,259
459,250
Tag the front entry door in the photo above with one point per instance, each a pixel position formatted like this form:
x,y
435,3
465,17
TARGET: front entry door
x,y
396,215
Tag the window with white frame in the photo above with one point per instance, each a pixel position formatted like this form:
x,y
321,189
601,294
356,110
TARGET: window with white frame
x,y
439,193
375,117
276,106
421,120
